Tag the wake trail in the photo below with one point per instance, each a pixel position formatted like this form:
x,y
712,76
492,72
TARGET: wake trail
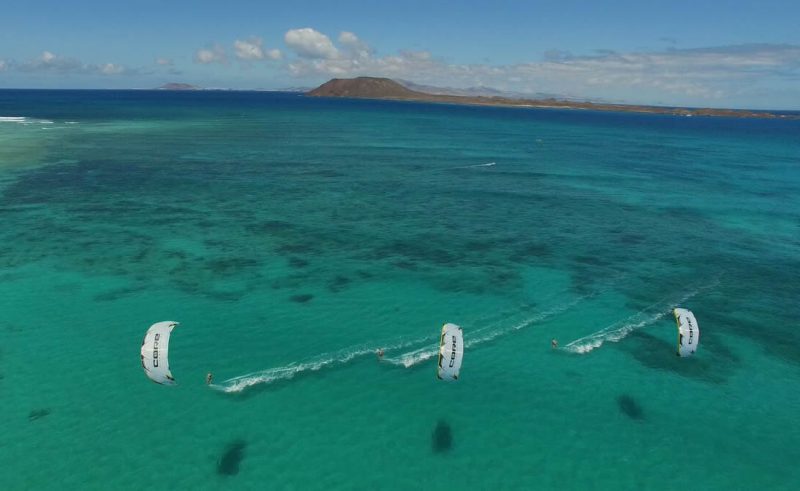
x,y
621,329
327,360
482,335
498,328
411,358
488,164
613,333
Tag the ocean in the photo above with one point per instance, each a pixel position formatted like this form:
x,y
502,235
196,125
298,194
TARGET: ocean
x,y
292,237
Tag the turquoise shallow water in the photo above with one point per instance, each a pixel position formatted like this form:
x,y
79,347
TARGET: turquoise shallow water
x,y
292,237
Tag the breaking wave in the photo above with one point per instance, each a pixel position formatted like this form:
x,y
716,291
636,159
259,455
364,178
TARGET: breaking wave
x,y
23,120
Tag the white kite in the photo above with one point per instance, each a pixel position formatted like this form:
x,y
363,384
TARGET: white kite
x,y
688,332
155,348
451,352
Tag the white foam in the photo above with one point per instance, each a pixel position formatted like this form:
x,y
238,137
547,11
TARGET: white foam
x,y
482,335
504,326
286,372
488,164
620,330
408,359
23,120
613,333
486,335
414,357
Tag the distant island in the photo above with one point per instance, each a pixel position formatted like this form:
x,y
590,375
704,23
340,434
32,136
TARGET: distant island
x,y
177,86
385,88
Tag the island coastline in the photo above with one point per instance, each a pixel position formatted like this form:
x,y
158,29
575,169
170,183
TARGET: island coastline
x,y
388,89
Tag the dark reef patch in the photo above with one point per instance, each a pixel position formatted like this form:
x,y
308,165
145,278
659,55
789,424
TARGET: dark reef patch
x,y
297,262
230,296
118,293
657,354
338,283
271,227
530,250
322,173
442,437
479,245
404,264
298,248
419,249
302,298
592,260
503,277
176,254
631,239
11,328
230,265
230,460
38,414
629,407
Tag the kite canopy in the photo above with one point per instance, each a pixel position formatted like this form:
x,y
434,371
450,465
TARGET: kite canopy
x,y
451,352
688,332
155,348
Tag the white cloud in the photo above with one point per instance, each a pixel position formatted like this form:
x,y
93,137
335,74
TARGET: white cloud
x,y
50,62
672,74
701,73
355,47
207,56
309,43
111,69
3,65
169,66
249,50
252,49
348,38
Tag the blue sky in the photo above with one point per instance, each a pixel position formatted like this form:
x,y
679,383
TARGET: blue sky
x,y
721,54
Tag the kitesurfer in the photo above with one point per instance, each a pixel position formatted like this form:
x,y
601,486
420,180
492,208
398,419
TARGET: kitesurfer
x,y
380,353
209,378
554,343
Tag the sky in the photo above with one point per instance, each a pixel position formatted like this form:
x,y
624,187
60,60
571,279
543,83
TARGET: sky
x,y
734,53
